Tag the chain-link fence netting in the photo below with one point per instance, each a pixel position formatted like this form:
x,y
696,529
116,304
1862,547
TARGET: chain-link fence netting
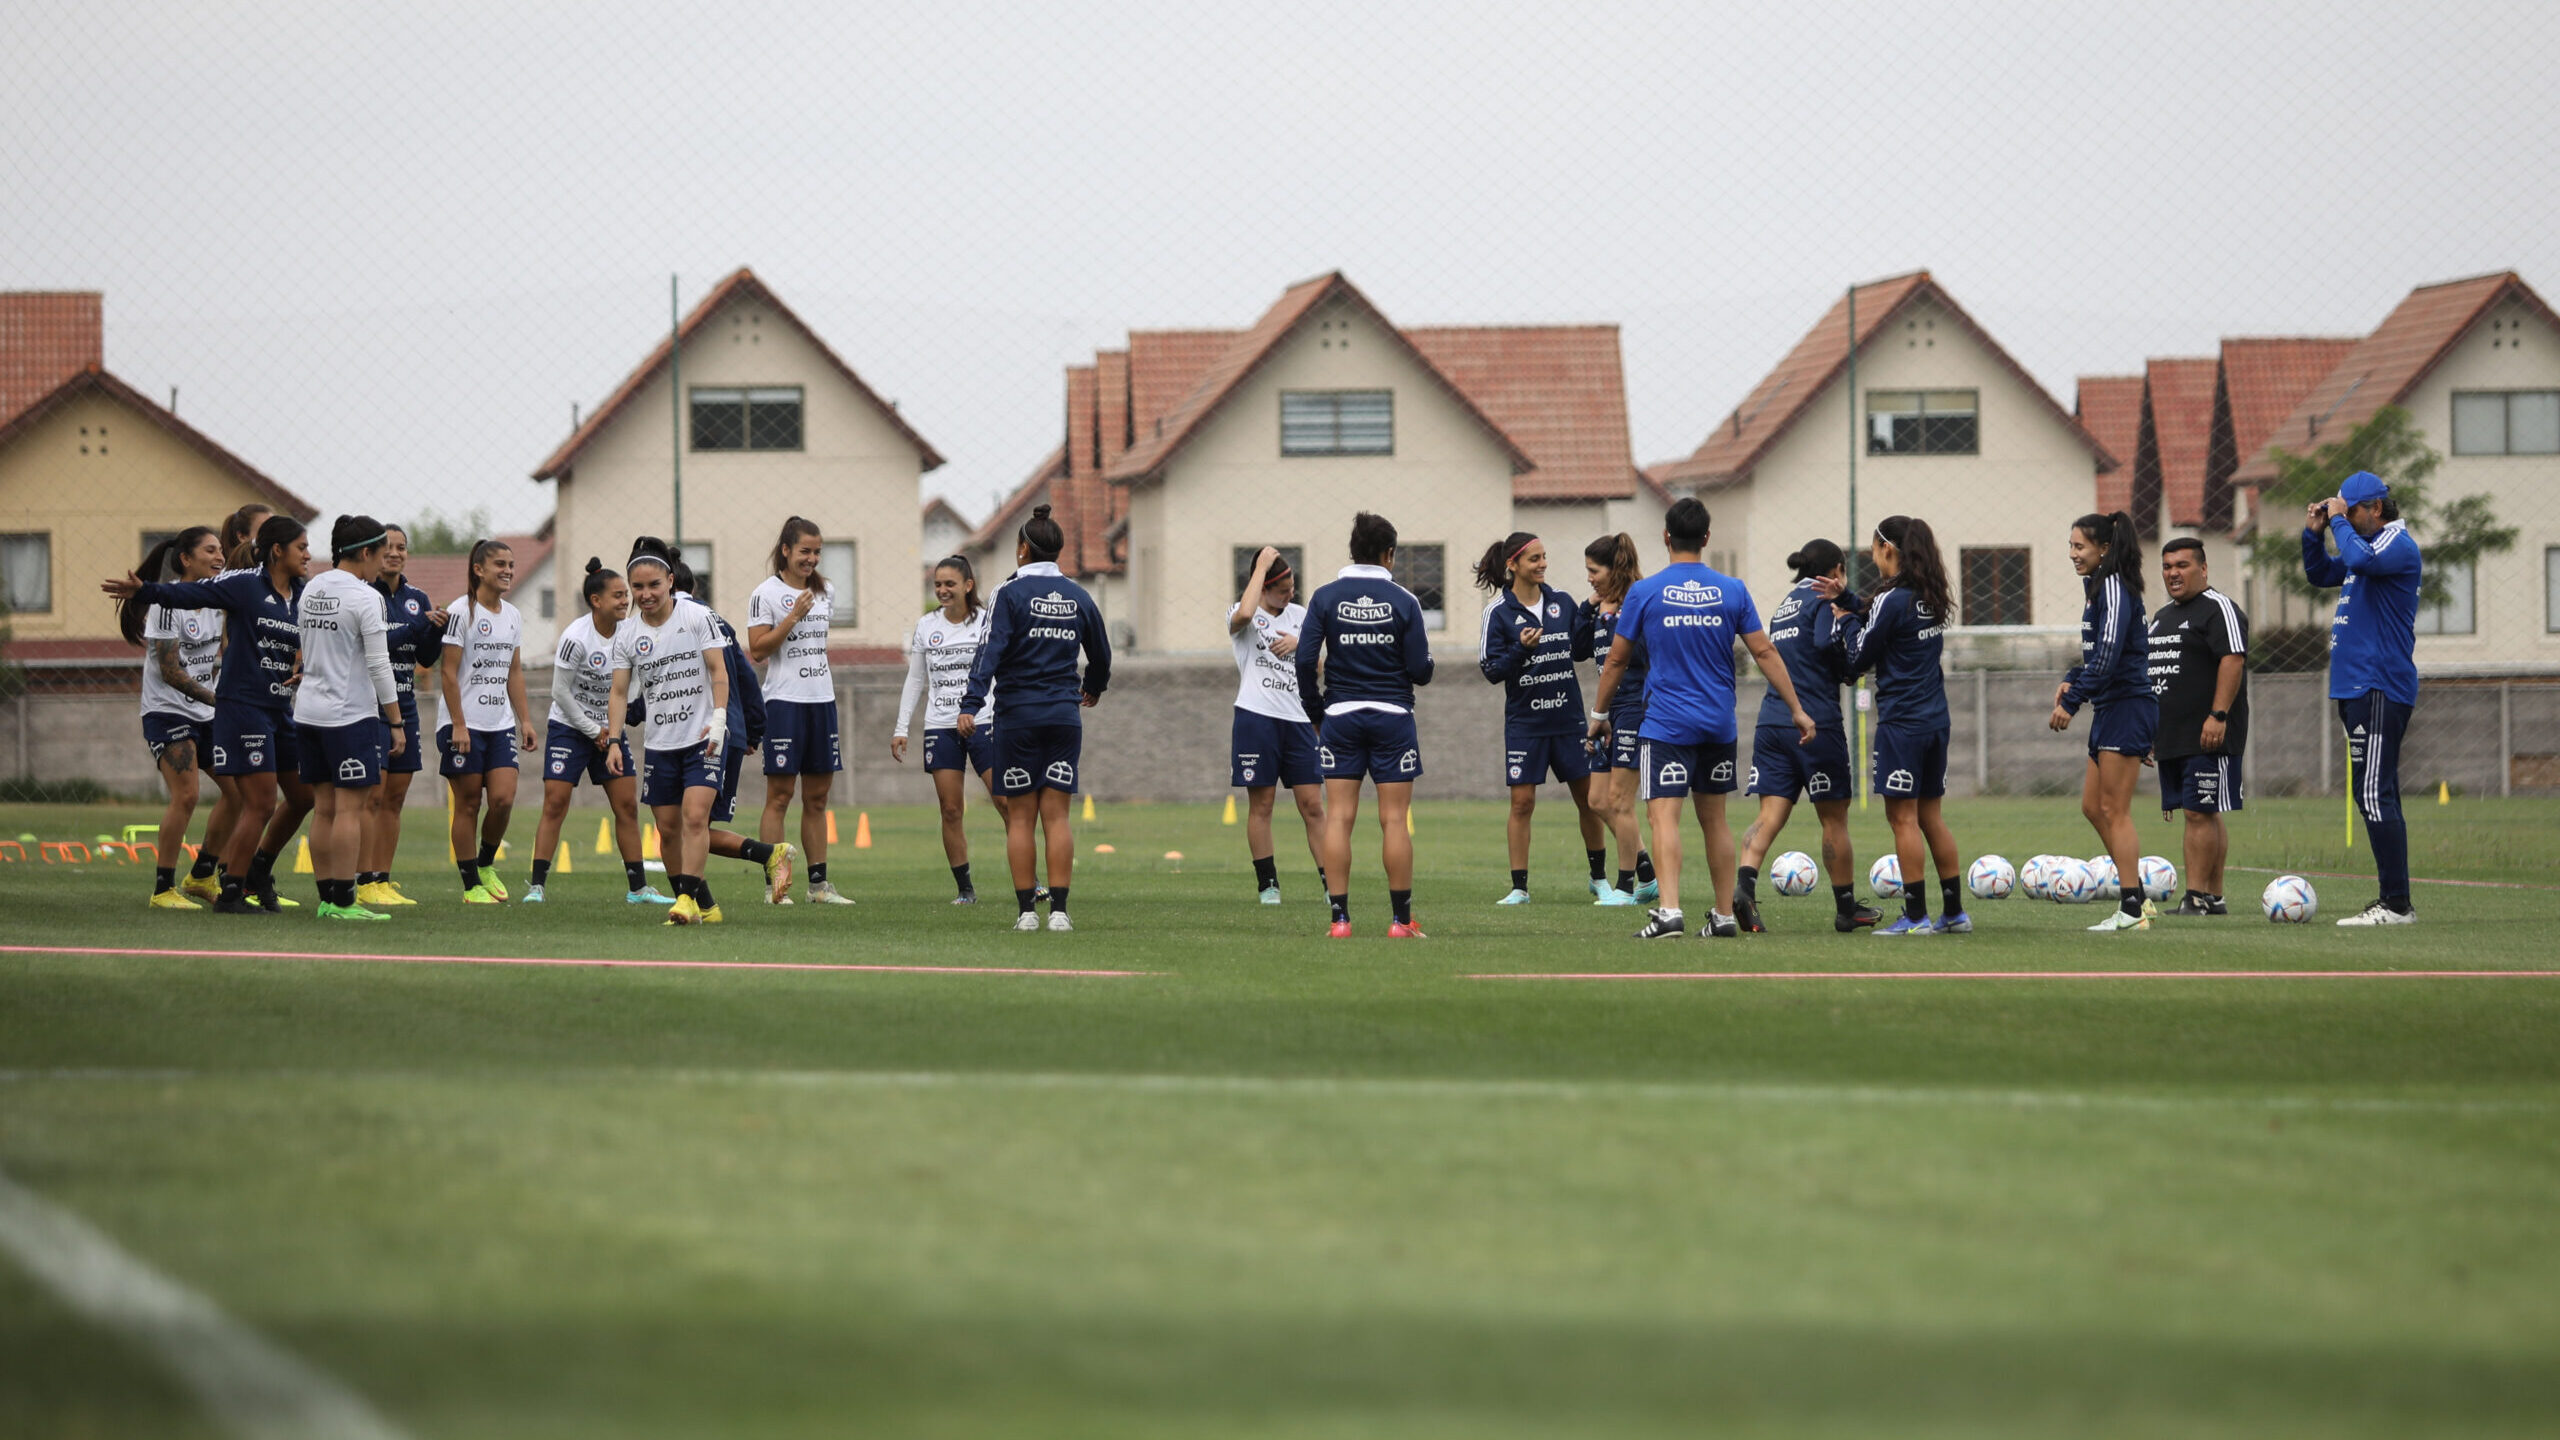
x,y
1203,279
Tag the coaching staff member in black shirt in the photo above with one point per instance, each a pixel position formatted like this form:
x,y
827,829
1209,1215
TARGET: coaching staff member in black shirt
x,y
2199,674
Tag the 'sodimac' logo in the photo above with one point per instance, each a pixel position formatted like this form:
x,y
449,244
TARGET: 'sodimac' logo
x,y
1365,611
1692,595
1053,607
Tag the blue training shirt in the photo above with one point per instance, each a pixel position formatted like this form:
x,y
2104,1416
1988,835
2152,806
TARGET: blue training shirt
x,y
1687,617
1541,695
415,640
1036,623
1904,642
1807,637
1369,630
2373,641
1604,634
263,634
2115,647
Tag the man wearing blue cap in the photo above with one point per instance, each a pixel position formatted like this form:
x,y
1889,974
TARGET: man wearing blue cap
x,y
2373,666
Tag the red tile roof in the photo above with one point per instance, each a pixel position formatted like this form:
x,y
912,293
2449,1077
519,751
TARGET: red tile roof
x,y
1557,390
1736,447
1164,367
46,337
2177,434
2109,407
443,577
1011,511
741,283
98,381
2389,363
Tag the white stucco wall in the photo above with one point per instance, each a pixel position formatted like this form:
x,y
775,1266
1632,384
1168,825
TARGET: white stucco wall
x,y
2507,350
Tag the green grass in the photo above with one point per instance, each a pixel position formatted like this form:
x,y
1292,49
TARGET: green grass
x,y
1281,1186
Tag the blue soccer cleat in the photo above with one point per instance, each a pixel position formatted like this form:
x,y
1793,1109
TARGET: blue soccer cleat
x,y
1905,925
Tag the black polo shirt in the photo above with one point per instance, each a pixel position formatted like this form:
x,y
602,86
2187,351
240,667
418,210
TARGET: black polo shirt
x,y
2188,640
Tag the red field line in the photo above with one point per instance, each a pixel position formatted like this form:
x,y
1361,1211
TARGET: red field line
x,y
2041,975
553,960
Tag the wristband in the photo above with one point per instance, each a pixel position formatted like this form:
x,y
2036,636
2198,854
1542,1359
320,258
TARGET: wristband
x,y
717,731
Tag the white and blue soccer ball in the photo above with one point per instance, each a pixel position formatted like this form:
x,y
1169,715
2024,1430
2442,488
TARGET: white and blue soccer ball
x,y
2036,876
1885,878
2074,883
1793,873
2159,877
1991,878
2289,900
2102,873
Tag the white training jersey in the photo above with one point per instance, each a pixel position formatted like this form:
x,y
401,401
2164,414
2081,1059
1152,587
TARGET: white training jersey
x,y
1267,684
198,634
346,653
486,639
667,662
582,675
797,673
939,654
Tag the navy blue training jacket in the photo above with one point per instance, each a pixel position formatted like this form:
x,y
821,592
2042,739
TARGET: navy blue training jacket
x,y
1036,623
415,640
259,639
2115,647
1807,636
1904,643
1604,637
1369,630
1541,695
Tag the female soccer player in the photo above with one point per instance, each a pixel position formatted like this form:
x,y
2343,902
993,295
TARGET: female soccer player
x,y
2114,675
185,654
487,720
1900,633
1533,636
253,735
416,643
581,718
940,650
1806,637
745,715
347,709
672,646
1270,742
788,618
1366,633
1039,620
240,536
1610,564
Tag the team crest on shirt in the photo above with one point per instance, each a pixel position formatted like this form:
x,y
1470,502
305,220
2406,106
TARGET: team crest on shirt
x,y
644,645
1261,621
485,627
412,603
193,626
1554,610
1053,607
1692,595
1365,611
932,638
597,659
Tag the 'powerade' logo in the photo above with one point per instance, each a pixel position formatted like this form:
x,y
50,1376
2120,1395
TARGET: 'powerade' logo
x,y
1692,595
1365,611
1053,607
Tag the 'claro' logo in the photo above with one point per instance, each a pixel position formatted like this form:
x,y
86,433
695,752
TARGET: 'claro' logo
x,y
1365,611
1053,607
1692,594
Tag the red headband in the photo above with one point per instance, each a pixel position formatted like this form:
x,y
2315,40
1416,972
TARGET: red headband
x,y
1525,544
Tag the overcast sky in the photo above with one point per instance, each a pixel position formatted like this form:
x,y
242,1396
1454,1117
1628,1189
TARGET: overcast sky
x,y
382,250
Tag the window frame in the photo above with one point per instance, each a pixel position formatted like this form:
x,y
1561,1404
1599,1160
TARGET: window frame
x,y
1338,448
2023,556
844,593
746,398
1404,577
1922,413
2506,422
8,603
2430,619
2551,590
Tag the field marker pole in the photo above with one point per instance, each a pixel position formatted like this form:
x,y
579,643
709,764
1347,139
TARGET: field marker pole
x,y
2506,739
675,404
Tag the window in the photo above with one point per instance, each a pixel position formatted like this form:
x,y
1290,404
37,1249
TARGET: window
x,y
550,603
1923,422
1337,422
697,558
835,561
1424,570
2506,422
763,419
1296,555
26,572
2454,616
2551,590
1994,587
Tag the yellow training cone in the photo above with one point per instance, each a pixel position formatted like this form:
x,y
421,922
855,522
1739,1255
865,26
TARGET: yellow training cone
x,y
831,825
562,863
649,843
862,830
2444,793
1088,807
1408,822
604,834
1230,817
302,857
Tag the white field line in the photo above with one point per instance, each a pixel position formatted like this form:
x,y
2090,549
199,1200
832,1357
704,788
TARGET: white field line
x,y
255,1389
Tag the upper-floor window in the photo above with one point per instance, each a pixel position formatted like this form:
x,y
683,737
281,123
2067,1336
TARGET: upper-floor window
x,y
2506,422
2455,614
696,555
766,418
1924,422
26,572
1337,422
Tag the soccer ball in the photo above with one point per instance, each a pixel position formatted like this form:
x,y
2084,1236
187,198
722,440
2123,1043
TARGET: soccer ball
x,y
2102,873
1886,878
1991,878
2036,877
2074,883
1792,873
2289,900
2159,877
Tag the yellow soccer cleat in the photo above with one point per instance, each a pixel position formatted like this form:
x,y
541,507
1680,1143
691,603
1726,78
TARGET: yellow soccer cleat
x,y
711,916
172,900
490,882
685,912
208,889
479,895
381,892
777,873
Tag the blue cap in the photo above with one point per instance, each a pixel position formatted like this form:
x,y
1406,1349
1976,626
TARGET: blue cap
x,y
2363,487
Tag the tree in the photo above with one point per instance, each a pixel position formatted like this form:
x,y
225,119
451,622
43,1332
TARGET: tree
x,y
2390,446
438,534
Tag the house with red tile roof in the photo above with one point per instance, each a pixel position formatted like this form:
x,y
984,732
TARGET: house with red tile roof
x,y
2109,407
1945,425
774,423
93,473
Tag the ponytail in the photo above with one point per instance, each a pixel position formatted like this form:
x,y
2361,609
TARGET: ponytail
x,y
240,534
1493,572
1618,554
968,581
1923,572
162,564
2123,544
598,577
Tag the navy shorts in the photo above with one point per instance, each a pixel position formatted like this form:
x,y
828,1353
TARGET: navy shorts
x,y
1529,759
673,772
2123,727
567,755
1374,744
945,750
160,731
1038,757
2206,784
1665,771
490,750
250,740
802,738
347,756
1266,750
1910,763
1626,727
1819,771
410,760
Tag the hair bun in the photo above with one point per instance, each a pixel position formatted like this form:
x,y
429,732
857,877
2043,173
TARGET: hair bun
x,y
1796,560
594,564
1039,512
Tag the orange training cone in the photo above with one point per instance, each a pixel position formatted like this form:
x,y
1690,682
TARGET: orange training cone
x,y
649,843
831,827
862,830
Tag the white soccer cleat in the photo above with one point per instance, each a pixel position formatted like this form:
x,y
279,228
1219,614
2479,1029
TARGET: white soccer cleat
x,y
2378,913
1026,921
1271,896
1516,897
826,893
1059,922
2118,920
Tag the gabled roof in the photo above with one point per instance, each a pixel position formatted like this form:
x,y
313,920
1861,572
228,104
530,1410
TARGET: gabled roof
x,y
1250,349
46,337
1557,390
1010,512
95,380
2389,363
444,576
2177,434
740,284
945,507
2259,381
1164,367
2109,407
1735,448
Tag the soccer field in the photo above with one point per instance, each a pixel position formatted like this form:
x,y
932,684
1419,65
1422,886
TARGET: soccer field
x,y
1272,1185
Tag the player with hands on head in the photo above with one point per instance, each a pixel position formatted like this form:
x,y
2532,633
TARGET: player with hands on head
x,y
1533,636
1271,743
2114,679
2373,664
